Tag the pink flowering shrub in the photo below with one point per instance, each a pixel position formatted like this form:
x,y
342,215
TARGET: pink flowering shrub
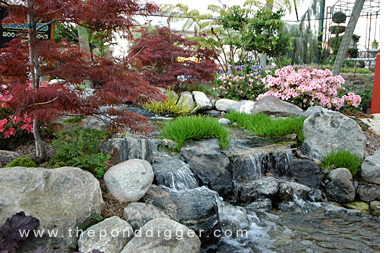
x,y
15,129
240,84
308,87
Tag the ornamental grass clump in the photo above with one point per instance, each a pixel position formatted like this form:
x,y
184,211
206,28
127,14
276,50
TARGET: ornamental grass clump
x,y
170,106
194,128
308,87
263,125
342,159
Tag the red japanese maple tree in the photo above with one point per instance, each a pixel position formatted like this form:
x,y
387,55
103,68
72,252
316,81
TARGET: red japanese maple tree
x,y
158,51
35,58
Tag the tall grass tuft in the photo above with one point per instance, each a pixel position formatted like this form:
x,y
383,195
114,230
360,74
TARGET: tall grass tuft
x,y
342,159
192,128
170,106
263,125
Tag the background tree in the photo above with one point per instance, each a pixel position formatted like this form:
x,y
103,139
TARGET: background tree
x,y
163,56
230,30
33,55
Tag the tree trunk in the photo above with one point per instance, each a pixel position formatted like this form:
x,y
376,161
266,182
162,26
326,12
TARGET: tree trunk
x,y
41,153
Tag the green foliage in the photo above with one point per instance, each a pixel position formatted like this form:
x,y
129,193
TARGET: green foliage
x,y
353,52
263,125
193,128
170,106
80,147
76,119
337,29
342,159
208,89
22,161
365,91
92,220
339,17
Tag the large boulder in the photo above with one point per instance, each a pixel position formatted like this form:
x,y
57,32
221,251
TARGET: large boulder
x,y
289,191
186,99
164,235
138,214
195,208
202,101
110,235
271,105
312,110
245,106
173,173
130,180
341,188
209,165
306,172
370,168
225,104
125,148
327,131
60,198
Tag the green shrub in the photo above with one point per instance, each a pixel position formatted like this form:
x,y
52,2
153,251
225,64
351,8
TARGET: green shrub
x,y
342,159
170,106
22,162
192,128
263,125
80,147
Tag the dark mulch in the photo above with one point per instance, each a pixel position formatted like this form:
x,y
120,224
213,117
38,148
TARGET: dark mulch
x,y
113,207
372,142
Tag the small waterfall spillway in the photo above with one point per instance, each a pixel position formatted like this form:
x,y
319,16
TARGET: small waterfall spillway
x,y
269,211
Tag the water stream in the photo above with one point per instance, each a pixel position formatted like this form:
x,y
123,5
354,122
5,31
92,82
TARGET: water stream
x,y
296,226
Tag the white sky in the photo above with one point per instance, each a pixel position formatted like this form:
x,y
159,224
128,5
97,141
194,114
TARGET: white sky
x,y
201,6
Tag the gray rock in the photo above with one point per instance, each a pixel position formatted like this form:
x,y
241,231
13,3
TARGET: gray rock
x,y
306,172
125,148
110,235
169,144
209,165
375,208
225,104
368,193
5,154
224,122
138,214
173,173
164,235
130,180
245,106
164,92
370,168
316,195
186,99
60,198
212,112
95,123
271,105
195,208
312,110
340,188
250,191
202,101
327,131
289,191
332,209
261,204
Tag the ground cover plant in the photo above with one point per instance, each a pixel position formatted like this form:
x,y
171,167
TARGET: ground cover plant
x,y
22,161
342,159
194,128
170,106
263,125
80,148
